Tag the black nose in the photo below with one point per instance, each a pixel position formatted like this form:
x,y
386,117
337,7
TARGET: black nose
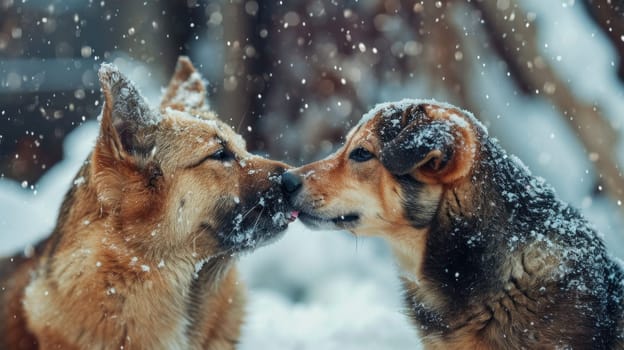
x,y
291,182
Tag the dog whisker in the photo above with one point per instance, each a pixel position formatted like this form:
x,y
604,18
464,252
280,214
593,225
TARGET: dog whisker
x,y
258,219
242,217
383,219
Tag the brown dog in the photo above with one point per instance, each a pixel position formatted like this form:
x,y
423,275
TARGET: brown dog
x,y
142,254
491,258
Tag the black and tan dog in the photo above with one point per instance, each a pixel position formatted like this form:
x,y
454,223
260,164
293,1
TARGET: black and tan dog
x,y
142,255
491,259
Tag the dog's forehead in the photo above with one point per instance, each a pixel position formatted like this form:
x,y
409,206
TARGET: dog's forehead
x,y
380,124
387,115
233,138
361,132
204,128
352,132
386,120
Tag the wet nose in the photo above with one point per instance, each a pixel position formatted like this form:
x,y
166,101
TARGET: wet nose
x,y
291,183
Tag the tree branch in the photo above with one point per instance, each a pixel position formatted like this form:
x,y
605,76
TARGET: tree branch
x,y
514,37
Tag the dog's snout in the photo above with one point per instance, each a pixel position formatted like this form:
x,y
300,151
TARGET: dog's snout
x,y
291,182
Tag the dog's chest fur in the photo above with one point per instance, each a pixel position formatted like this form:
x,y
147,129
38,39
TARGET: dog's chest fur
x,y
506,264
89,290
131,306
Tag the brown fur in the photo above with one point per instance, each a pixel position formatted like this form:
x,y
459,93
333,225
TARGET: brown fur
x,y
142,254
490,259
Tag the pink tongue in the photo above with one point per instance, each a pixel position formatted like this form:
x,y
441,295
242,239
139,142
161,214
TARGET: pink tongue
x,y
294,214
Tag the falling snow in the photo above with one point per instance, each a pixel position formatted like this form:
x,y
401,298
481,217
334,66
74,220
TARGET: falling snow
x,y
292,82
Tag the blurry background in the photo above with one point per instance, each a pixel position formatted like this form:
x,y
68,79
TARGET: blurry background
x,y
292,77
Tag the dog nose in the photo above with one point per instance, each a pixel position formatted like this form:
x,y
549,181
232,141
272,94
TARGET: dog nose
x,y
291,182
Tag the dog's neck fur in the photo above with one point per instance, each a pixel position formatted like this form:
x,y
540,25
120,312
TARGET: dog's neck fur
x,y
491,244
129,289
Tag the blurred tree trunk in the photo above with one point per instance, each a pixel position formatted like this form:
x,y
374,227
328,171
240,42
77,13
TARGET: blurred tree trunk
x,y
443,54
232,98
514,38
246,73
609,15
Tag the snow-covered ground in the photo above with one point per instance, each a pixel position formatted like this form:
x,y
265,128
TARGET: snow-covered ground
x,y
324,290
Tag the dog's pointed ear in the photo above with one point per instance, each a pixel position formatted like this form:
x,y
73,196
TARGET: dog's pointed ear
x,y
186,90
434,145
126,117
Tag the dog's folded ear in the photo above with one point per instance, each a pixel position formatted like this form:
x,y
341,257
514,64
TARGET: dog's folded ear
x,y
186,90
126,117
434,145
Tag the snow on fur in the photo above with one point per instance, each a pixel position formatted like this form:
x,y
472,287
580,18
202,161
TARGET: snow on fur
x,y
342,299
189,95
127,100
388,108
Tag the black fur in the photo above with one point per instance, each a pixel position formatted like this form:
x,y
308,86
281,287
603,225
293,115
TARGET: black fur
x,y
418,210
251,222
406,141
470,242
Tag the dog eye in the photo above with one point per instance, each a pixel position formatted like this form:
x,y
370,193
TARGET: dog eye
x,y
360,155
221,155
